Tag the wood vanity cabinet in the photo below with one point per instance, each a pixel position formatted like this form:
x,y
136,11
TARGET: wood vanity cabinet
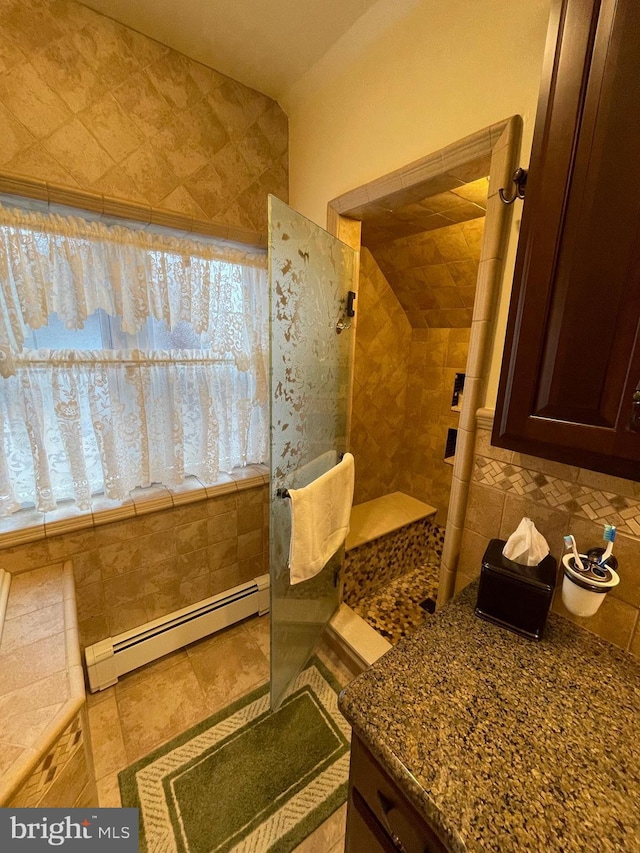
x,y
572,357
380,818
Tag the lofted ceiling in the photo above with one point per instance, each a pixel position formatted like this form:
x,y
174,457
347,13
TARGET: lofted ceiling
x,y
383,222
428,249
265,44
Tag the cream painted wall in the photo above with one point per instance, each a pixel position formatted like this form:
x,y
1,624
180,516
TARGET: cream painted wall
x,y
408,78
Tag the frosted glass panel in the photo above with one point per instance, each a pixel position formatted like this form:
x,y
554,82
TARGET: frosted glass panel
x,y
310,274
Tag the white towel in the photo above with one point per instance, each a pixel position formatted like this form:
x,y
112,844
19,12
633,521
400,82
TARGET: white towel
x,y
312,470
320,520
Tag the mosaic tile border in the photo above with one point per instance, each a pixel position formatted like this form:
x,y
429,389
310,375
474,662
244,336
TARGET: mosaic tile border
x,y
435,544
375,564
562,495
50,767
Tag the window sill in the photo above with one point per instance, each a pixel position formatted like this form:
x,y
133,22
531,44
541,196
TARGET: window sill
x,y
29,525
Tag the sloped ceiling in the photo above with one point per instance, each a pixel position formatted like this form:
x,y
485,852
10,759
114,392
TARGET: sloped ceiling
x,y
429,250
265,44
384,222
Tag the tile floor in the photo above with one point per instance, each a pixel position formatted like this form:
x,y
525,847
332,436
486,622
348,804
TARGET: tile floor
x,y
394,611
159,701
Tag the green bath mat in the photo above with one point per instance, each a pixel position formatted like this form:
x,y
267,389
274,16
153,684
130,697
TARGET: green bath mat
x,y
246,779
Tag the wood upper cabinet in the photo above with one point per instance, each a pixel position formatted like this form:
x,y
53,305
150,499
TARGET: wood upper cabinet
x,y
572,359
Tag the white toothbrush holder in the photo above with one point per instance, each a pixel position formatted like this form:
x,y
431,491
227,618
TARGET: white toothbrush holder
x,y
584,591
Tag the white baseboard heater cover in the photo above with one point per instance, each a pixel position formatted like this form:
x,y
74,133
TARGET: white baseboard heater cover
x,y
113,657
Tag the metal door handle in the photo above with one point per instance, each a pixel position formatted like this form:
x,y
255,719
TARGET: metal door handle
x,y
386,805
634,421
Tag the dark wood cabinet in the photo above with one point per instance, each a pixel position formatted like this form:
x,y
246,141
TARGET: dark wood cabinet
x,y
572,356
380,818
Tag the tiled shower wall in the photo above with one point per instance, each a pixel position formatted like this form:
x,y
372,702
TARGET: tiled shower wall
x,y
403,376
381,376
561,499
434,273
88,103
129,572
436,356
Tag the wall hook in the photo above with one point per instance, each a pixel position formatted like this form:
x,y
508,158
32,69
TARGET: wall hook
x,y
520,180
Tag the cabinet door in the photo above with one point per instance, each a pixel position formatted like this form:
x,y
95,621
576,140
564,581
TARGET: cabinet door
x,y
571,361
363,830
388,812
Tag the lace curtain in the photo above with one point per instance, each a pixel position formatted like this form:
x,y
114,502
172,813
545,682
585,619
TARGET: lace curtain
x,y
176,385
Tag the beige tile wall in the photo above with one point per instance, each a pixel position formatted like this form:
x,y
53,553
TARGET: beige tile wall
x,y
129,572
393,218
88,103
404,372
433,274
560,499
383,345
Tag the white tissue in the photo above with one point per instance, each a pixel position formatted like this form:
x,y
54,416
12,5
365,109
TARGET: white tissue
x,y
526,545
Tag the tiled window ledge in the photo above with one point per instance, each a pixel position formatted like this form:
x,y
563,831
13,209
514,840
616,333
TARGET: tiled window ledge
x,y
30,525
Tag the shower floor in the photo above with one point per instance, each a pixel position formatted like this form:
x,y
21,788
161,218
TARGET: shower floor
x,y
402,606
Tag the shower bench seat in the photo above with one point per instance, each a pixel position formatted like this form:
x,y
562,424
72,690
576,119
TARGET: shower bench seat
x,y
388,536
380,516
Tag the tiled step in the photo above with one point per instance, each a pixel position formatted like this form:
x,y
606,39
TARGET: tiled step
x,y
357,636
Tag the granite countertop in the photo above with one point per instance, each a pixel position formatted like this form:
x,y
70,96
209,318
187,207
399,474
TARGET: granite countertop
x,y
503,743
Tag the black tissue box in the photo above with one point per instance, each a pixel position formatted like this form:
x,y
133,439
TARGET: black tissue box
x,y
515,596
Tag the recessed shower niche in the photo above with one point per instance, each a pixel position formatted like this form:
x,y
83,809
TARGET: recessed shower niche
x,y
458,391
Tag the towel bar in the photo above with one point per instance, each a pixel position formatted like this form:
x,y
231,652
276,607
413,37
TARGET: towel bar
x,y
284,493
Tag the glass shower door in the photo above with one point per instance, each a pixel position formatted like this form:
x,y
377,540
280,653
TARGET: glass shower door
x,y
310,274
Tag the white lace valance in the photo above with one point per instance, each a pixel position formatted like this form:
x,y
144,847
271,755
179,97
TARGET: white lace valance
x,y
72,267
187,397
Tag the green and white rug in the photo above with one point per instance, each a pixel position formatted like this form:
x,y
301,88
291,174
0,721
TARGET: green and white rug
x,y
246,779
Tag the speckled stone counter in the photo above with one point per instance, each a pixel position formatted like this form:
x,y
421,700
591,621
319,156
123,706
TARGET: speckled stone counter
x,y
505,744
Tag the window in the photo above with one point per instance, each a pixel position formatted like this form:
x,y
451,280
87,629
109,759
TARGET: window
x,y
126,358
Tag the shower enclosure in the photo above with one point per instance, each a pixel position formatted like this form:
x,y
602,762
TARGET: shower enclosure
x,y
310,275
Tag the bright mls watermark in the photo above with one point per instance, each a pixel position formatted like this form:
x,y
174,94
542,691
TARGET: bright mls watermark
x,y
72,830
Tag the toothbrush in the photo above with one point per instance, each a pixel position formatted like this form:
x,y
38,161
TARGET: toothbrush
x,y
609,536
570,545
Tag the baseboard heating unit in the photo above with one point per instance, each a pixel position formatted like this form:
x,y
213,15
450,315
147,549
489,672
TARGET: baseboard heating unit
x,y
113,657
